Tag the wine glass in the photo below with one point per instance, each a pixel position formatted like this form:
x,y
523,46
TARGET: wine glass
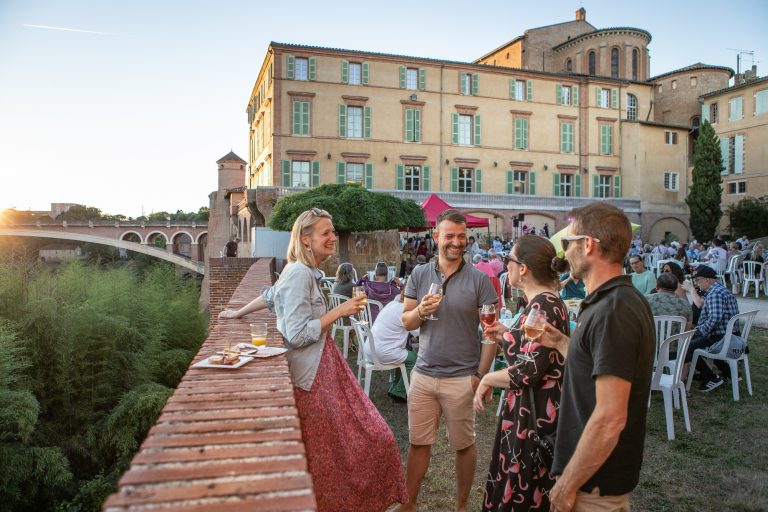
x,y
488,318
533,329
358,292
436,291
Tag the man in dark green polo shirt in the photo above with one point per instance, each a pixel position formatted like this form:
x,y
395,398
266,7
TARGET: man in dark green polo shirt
x,y
601,430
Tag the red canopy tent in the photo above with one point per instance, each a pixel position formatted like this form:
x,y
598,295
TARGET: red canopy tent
x,y
434,206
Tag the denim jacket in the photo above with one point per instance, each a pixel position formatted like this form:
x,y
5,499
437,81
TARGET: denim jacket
x,y
299,304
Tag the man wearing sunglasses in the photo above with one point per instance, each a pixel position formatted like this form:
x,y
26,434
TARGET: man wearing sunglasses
x,y
601,430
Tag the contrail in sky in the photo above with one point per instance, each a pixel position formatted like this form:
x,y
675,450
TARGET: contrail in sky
x,y
68,29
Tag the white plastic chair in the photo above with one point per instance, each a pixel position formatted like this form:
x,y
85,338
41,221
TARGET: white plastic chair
x,y
665,327
752,273
649,260
747,319
366,316
732,270
671,384
335,299
368,350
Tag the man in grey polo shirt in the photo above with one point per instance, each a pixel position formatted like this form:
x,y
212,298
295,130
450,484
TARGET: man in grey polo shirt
x,y
450,361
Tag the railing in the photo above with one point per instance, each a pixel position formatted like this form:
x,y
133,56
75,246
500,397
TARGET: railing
x,y
494,201
227,440
109,223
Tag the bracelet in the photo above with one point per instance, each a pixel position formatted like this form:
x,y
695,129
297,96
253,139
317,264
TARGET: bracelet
x,y
418,312
479,375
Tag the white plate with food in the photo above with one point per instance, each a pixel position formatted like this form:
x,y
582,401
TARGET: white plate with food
x,y
219,361
269,351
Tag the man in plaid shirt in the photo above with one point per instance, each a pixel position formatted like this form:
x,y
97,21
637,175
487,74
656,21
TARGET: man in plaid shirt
x,y
719,306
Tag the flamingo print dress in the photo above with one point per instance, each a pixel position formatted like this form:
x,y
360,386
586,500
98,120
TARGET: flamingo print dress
x,y
517,482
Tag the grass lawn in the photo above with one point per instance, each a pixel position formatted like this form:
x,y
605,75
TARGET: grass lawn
x,y
719,466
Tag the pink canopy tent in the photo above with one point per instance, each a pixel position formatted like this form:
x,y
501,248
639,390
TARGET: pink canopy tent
x,y
434,206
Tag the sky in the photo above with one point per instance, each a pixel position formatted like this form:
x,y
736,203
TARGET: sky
x,y
126,105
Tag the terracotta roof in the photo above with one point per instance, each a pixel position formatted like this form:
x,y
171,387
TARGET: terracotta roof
x,y
665,125
735,87
692,67
499,48
598,31
230,157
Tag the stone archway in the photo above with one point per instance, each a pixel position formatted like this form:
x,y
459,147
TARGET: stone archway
x,y
157,239
182,244
131,236
668,228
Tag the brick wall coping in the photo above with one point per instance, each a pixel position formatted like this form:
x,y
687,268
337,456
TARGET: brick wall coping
x,y
226,440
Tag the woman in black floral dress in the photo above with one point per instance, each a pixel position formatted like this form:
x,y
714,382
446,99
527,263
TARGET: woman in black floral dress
x,y
516,480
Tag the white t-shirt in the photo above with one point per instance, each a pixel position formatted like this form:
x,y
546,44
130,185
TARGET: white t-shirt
x,y
389,335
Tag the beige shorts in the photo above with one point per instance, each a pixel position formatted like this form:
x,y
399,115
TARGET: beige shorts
x,y
593,502
429,398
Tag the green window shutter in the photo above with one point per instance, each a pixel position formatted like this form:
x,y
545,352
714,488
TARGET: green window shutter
x,y
704,112
617,186
454,128
290,60
614,98
365,73
610,139
529,90
312,67
286,173
342,120
344,72
367,123
595,187
422,79
369,176
295,117
510,182
402,77
738,154
575,95
475,84
463,77
399,177
518,133
556,184
525,133
597,97
724,146
512,88
425,180
603,140
563,144
341,172
476,125
577,185
478,180
417,125
454,179
315,173
532,183
409,124
558,94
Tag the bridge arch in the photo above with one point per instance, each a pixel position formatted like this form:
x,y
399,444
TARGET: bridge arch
x,y
181,241
152,237
125,234
201,235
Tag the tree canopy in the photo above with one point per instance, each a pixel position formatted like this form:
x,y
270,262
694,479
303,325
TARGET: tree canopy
x,y
706,193
749,217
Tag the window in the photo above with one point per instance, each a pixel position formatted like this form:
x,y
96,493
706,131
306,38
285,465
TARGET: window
x,y
695,122
592,63
412,125
565,99
737,187
635,62
355,173
671,181
566,137
607,98
566,94
569,66
602,185
606,139
464,180
299,174
674,84
670,137
735,108
355,73
465,130
694,81
631,107
412,79
520,90
519,182
412,177
732,153
355,122
713,113
521,133
301,112
761,102
301,69
566,185
615,62
468,84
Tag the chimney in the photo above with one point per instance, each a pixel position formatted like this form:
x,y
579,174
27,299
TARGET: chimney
x,y
581,14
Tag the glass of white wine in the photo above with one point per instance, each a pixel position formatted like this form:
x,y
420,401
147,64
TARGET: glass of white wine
x,y
436,291
358,292
533,329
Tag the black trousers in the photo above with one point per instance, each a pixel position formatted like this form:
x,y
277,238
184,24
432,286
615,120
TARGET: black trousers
x,y
701,364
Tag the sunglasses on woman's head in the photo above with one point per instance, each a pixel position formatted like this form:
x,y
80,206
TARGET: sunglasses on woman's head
x,y
318,212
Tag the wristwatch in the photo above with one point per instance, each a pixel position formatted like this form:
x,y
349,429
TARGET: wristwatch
x,y
479,375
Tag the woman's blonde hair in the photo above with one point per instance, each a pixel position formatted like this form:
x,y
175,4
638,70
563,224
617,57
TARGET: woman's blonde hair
x,y
303,226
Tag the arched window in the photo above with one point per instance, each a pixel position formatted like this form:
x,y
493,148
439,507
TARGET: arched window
x,y
631,107
635,62
592,63
615,62
695,122
569,66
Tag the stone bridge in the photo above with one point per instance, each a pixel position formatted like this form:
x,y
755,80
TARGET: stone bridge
x,y
181,243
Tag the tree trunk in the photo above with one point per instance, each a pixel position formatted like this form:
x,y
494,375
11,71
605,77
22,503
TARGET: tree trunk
x,y
343,246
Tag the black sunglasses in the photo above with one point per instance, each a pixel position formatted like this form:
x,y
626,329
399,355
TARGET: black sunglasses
x,y
566,240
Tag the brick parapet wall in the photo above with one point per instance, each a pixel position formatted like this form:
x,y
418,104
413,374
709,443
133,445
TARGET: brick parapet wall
x,y
227,439
224,276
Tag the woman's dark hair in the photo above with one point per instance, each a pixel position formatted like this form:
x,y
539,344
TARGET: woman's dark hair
x,y
538,254
675,270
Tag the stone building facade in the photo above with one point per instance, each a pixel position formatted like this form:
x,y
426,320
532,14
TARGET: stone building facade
x,y
534,134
